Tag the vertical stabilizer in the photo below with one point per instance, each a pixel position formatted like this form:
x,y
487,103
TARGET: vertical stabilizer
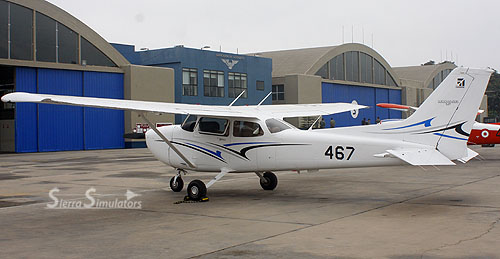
x,y
445,119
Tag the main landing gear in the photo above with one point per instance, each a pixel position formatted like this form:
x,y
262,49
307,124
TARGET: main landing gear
x,y
197,190
268,180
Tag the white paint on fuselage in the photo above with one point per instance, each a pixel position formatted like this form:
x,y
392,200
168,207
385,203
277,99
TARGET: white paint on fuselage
x,y
291,149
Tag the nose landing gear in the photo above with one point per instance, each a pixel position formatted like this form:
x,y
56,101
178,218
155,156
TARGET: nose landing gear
x,y
176,183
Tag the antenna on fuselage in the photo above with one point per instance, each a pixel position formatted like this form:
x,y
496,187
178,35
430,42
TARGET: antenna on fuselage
x,y
231,104
267,96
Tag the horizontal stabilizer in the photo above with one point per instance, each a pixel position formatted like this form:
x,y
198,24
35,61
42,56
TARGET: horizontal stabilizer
x,y
421,156
470,155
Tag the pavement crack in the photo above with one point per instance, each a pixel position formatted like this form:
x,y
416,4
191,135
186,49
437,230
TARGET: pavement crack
x,y
476,237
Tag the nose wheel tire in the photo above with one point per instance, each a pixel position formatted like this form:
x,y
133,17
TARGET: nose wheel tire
x,y
269,181
176,185
196,190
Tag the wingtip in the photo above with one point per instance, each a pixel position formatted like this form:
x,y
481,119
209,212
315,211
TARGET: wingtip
x,y
7,97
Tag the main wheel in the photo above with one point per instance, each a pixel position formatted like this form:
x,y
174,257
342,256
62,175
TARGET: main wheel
x,y
196,190
177,185
269,182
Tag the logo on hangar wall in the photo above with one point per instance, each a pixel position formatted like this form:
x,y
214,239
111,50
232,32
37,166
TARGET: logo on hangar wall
x,y
230,63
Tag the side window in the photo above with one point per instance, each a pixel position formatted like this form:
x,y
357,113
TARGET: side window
x,y
247,129
275,125
214,126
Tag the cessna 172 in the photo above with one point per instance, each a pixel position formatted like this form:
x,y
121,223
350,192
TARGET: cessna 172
x,y
256,139
486,134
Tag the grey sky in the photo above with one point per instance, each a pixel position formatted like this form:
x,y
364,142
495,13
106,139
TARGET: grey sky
x,y
405,32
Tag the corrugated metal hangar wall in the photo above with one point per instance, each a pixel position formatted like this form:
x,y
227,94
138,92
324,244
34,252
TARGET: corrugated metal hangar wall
x,y
45,127
368,96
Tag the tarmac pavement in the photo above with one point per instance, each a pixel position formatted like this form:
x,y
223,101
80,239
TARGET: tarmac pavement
x,y
384,212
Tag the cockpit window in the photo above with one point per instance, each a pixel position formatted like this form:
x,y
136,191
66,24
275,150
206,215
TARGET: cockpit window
x,y
189,123
213,126
275,125
247,129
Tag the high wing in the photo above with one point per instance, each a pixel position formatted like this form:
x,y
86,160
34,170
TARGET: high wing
x,y
251,111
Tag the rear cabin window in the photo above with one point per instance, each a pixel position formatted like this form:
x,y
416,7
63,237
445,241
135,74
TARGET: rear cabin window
x,y
213,126
275,125
247,129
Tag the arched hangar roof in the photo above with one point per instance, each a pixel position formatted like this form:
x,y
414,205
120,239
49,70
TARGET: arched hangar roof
x,y
308,61
425,74
66,19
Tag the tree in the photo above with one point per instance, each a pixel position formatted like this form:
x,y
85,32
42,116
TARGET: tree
x,y
493,92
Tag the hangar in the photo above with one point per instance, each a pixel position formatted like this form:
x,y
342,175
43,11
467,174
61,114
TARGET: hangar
x,y
43,49
352,72
345,73
418,82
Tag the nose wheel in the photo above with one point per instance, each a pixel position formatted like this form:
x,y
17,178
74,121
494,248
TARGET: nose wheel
x,y
176,183
268,180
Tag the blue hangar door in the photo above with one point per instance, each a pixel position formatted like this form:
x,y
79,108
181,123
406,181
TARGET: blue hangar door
x,y
369,96
46,127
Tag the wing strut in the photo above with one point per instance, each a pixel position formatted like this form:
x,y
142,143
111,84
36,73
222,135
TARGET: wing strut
x,y
153,126
236,99
265,98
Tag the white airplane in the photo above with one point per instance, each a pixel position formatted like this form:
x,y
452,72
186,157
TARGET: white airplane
x,y
256,139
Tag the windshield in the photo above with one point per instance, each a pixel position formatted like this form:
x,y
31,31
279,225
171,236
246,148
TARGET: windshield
x,y
189,123
275,125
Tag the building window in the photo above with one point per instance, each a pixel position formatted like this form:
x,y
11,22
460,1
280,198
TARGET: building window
x,y
21,32
323,71
278,92
366,64
55,42
4,29
189,81
67,45
45,38
213,83
337,68
93,56
378,73
237,83
390,80
352,66
260,85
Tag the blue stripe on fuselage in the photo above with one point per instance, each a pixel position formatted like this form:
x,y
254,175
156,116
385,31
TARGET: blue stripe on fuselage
x,y
426,123
216,153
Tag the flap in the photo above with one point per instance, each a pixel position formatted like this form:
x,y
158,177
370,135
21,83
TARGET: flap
x,y
421,156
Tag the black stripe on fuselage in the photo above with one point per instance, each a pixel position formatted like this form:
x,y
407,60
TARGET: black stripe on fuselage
x,y
457,127
243,151
197,149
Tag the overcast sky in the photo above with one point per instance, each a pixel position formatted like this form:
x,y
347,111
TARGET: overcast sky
x,y
405,32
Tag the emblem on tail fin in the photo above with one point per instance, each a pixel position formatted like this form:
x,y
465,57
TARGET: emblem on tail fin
x,y
460,82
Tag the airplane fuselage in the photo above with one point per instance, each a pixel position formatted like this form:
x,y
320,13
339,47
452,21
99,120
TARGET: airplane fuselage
x,y
290,149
